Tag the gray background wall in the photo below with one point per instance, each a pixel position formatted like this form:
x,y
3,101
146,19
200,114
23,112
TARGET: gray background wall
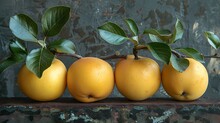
x,y
86,15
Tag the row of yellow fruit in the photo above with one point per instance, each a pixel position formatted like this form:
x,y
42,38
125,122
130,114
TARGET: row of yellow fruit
x,y
90,79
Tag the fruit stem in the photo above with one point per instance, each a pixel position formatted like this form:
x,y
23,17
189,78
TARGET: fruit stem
x,y
136,48
71,55
135,52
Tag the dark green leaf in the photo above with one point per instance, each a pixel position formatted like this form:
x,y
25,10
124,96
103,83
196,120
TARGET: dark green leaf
x,y
212,39
163,32
39,60
54,19
18,55
132,26
190,52
63,46
23,27
16,47
160,51
155,38
159,35
179,64
112,33
178,31
13,59
4,64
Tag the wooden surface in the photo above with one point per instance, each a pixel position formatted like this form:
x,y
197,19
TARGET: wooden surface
x,y
110,110
70,102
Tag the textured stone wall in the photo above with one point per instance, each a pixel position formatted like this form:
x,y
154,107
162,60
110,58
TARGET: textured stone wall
x,y
86,15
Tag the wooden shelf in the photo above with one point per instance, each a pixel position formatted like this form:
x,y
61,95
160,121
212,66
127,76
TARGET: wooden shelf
x,y
109,110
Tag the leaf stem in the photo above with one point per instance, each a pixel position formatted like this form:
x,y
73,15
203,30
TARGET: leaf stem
x,y
70,55
177,54
42,43
212,56
139,47
114,56
45,38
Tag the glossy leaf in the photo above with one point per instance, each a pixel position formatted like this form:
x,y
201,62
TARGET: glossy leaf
x,y
178,31
159,35
18,55
160,51
39,60
132,26
190,52
54,19
16,47
112,33
63,46
179,64
163,32
135,40
155,38
23,27
213,39
4,64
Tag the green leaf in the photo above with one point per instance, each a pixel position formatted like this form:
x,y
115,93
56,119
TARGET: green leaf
x,y
4,64
16,47
13,59
23,27
212,39
39,60
112,33
132,26
18,55
155,38
63,46
159,35
54,19
162,32
160,51
190,52
135,40
179,64
178,31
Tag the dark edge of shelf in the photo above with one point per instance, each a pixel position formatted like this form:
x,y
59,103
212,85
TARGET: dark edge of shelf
x,y
111,102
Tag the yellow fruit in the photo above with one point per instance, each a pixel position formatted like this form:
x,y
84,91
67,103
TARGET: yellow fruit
x,y
90,79
188,85
137,79
50,86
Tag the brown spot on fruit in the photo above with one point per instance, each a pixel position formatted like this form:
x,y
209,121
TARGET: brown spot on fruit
x,y
183,93
90,96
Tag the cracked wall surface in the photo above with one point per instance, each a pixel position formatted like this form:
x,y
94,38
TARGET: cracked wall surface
x,y
87,15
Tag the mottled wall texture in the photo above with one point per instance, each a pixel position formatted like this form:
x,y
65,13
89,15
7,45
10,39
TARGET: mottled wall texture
x,y
86,15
